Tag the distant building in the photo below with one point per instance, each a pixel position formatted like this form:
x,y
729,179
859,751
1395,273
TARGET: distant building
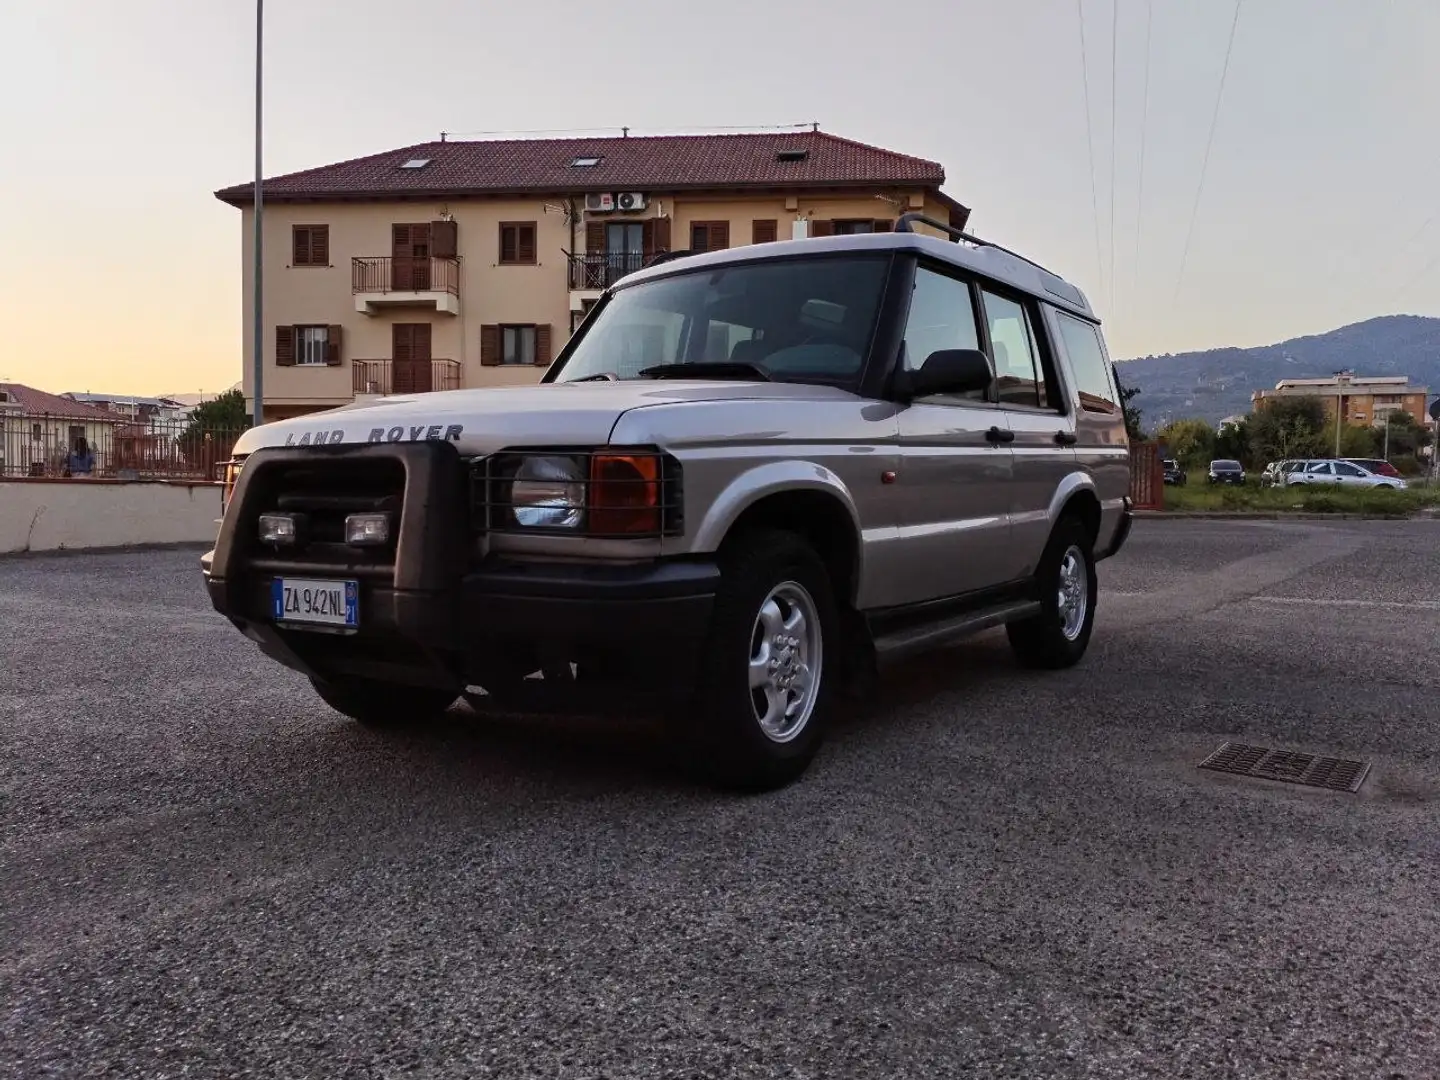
x,y
139,409
38,430
1360,399
1230,422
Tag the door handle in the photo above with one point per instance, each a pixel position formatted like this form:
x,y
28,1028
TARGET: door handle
x,y
1000,435
1066,438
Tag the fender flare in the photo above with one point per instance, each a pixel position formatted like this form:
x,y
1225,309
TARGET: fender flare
x,y
772,478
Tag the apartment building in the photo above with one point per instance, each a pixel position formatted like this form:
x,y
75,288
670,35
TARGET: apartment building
x,y
465,264
1360,399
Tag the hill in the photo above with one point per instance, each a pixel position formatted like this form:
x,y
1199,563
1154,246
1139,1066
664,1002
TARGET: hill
x,y
1217,382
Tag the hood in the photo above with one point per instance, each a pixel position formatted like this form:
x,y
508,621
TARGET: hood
x,y
484,421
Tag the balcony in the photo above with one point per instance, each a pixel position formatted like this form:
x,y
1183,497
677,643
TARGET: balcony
x,y
379,283
379,377
595,271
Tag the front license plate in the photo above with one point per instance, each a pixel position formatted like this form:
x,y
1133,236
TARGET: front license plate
x,y
320,603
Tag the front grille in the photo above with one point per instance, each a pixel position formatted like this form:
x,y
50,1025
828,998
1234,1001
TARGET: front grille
x,y
492,507
326,492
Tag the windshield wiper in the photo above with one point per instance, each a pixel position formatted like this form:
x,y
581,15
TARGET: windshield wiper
x,y
602,376
712,369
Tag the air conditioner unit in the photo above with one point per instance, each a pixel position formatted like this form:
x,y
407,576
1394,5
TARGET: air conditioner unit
x,y
630,200
600,203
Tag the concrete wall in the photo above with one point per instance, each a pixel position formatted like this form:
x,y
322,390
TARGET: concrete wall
x,y
54,515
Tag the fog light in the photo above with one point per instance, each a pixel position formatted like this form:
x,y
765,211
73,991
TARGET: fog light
x,y
367,530
281,530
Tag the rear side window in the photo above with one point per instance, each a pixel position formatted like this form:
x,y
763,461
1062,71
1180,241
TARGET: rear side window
x,y
1093,378
941,317
1016,366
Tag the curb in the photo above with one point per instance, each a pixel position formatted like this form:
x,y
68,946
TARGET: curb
x,y
1275,515
109,549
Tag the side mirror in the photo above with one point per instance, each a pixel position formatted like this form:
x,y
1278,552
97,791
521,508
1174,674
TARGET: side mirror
x,y
946,371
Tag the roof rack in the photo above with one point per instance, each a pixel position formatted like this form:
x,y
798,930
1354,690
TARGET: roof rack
x,y
958,235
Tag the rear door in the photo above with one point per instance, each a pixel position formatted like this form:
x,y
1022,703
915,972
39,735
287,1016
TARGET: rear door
x,y
1030,395
956,463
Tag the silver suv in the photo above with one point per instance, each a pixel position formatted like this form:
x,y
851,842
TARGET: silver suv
x,y
749,476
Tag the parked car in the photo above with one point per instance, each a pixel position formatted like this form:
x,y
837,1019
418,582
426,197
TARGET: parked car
x,y
1275,472
1340,471
1226,471
1174,474
1378,466
749,475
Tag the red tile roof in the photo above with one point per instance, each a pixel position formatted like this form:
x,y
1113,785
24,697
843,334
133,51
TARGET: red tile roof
x,y
646,163
38,403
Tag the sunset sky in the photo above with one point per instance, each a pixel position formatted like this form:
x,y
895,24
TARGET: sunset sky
x,y
119,271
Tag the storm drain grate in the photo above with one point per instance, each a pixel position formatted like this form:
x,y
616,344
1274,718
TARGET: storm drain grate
x,y
1336,774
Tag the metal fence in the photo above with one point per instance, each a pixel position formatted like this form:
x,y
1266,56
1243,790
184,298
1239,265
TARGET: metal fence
x,y
1147,476
58,447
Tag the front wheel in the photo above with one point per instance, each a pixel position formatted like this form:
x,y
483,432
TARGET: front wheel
x,y
764,691
384,705
1058,636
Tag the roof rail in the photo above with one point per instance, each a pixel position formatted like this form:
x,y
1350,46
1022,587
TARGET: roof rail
x,y
958,235
664,257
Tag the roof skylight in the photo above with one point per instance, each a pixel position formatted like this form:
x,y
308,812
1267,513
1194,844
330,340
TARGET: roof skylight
x,y
585,161
416,163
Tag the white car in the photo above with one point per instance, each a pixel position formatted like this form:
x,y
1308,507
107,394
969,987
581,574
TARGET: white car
x,y
1336,471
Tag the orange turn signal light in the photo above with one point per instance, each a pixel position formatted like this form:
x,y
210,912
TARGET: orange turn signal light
x,y
624,494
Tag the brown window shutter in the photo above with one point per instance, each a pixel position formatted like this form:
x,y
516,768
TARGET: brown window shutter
x,y
444,239
509,244
763,231
819,227
662,233
320,245
542,345
884,225
719,235
595,237
332,346
490,346
284,346
525,244
300,242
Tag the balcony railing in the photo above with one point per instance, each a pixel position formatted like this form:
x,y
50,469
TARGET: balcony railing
x,y
600,270
402,274
404,376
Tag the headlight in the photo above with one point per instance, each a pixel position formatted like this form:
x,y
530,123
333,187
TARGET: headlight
x,y
549,493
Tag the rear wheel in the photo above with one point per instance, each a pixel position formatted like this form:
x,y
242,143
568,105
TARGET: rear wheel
x,y
1060,634
763,697
384,705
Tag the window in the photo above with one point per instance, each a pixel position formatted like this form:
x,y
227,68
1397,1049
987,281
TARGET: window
x,y
799,320
1094,379
517,243
942,316
585,162
310,245
1012,344
517,345
709,235
764,231
854,228
312,345
1343,468
1318,468
416,163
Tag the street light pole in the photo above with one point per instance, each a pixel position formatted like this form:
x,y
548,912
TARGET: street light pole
x,y
257,340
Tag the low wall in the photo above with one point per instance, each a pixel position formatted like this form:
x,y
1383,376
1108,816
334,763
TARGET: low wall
x,y
56,515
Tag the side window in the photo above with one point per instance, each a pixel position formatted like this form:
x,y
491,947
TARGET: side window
x,y
1093,378
1344,468
1319,468
1013,346
942,316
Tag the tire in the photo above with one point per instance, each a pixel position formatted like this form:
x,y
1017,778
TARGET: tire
x,y
736,736
1059,635
384,705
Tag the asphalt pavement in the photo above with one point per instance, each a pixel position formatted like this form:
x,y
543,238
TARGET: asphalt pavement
x,y
204,872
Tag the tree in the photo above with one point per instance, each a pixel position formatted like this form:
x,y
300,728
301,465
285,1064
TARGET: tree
x,y
1406,436
1287,428
1233,441
1189,441
223,414
1132,413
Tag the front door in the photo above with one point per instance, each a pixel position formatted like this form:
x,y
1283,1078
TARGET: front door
x,y
410,349
410,257
956,461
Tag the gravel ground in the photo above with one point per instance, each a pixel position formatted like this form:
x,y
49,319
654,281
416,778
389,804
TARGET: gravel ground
x,y
205,872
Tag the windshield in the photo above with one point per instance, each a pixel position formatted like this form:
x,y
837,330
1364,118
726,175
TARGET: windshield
x,y
797,320
1225,466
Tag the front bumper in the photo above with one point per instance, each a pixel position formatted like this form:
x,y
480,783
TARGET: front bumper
x,y
439,615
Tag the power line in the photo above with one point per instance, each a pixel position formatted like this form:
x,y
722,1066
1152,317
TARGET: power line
x,y
1209,142
1424,272
1114,48
1090,142
1144,122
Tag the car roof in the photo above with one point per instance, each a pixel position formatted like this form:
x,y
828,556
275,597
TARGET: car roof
x,y
979,258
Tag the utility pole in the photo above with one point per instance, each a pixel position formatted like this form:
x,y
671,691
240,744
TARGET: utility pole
x,y
1386,453
1339,408
257,342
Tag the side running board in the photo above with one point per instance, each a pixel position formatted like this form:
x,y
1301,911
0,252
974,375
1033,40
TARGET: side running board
x,y
907,641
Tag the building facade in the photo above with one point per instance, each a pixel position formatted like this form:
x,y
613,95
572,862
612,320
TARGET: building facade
x,y
38,431
1360,399
469,264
